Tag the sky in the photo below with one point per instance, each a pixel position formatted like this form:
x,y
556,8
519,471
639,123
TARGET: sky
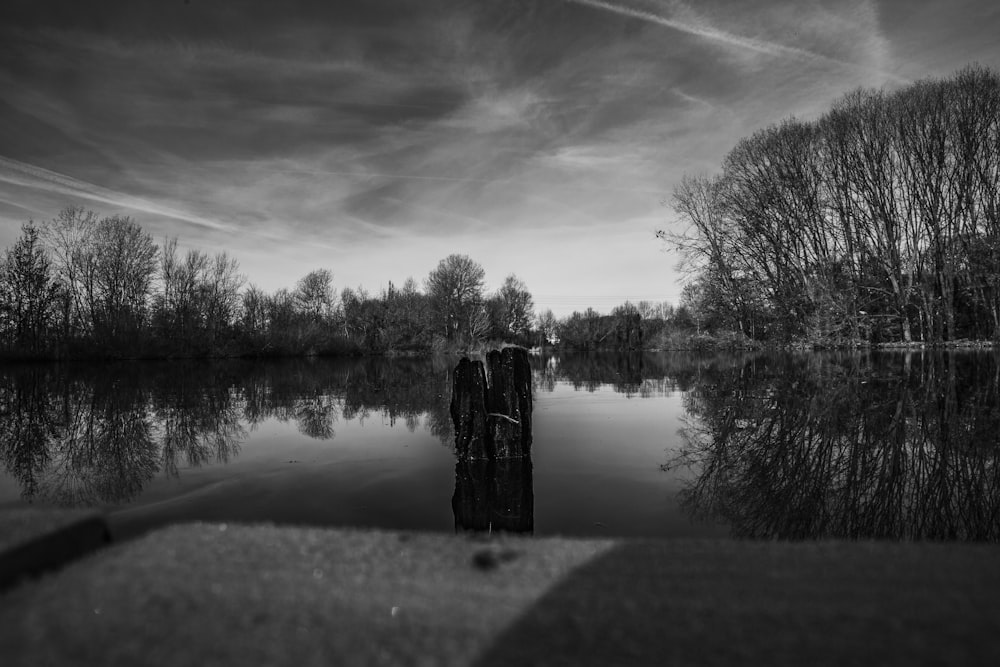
x,y
375,137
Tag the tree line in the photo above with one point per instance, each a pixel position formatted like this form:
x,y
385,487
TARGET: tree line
x,y
86,286
880,221
82,285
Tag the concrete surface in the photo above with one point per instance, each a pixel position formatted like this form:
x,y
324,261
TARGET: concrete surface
x,y
34,541
215,594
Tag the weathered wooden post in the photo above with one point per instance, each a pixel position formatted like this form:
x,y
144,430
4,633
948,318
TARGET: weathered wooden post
x,y
491,411
508,402
468,410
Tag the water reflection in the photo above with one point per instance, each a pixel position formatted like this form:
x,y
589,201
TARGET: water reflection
x,y
76,442
198,417
494,496
634,374
900,446
895,446
80,435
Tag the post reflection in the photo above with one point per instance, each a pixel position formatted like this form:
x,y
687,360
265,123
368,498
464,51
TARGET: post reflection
x,y
494,496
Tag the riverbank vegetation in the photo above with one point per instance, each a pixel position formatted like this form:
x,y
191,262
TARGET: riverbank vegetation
x,y
878,222
82,286
85,286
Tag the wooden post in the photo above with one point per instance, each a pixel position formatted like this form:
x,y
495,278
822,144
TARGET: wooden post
x,y
468,410
491,411
508,402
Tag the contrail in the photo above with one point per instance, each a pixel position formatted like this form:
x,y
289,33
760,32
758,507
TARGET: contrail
x,y
28,175
14,204
732,39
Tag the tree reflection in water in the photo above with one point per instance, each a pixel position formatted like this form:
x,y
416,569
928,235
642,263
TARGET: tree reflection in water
x,y
634,374
900,446
881,445
198,416
74,442
78,435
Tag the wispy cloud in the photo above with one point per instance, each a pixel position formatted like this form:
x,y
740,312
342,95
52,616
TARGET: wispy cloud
x,y
13,204
699,27
27,175
437,178
375,136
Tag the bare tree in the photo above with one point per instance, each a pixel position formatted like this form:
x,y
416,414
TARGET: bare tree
x,y
253,311
548,325
882,215
314,295
118,279
28,293
200,298
455,289
69,236
711,248
221,296
516,307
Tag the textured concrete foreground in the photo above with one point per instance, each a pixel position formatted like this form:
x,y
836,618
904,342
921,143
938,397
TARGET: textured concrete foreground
x,y
34,541
212,594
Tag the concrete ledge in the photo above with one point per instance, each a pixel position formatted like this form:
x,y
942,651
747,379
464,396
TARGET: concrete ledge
x,y
266,595
766,603
35,541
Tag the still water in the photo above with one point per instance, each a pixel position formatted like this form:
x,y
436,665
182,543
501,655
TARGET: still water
x,y
866,445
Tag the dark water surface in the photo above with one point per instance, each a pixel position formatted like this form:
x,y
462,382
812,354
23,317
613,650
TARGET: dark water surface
x,y
867,445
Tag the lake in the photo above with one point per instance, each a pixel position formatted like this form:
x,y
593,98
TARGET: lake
x,y
886,445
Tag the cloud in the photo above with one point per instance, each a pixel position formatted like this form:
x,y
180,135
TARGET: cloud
x,y
9,203
26,175
699,27
377,136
